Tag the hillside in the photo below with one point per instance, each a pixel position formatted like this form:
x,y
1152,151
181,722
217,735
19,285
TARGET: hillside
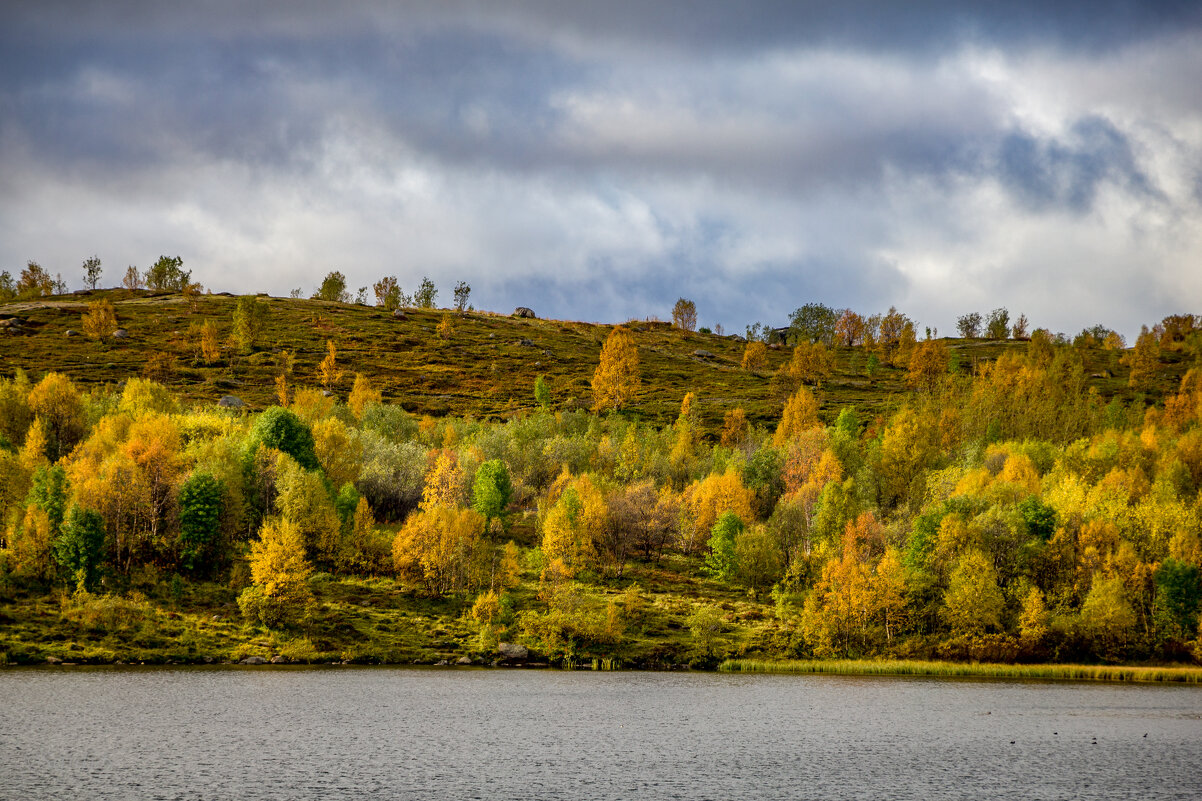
x,y
486,367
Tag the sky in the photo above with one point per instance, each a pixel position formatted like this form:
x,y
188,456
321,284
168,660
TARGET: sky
x,y
597,161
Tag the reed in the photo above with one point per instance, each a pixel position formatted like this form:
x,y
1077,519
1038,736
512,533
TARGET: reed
x,y
864,667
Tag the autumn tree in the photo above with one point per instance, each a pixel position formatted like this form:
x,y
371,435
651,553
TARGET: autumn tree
x,y
811,364
704,502
210,347
616,380
973,602
1019,329
132,278
91,272
100,321
755,355
440,547
58,404
363,394
684,315
1143,359
734,427
34,282
250,316
928,365
333,288
573,526
280,573
542,393
641,519
849,328
800,413
389,294
444,327
328,370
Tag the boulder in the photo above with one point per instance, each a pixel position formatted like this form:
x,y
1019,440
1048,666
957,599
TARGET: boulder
x,y
399,314
231,402
522,311
120,333
53,660
279,660
253,660
703,354
526,343
463,660
509,650
71,332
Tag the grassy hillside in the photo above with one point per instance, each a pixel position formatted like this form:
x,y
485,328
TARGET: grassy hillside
x,y
485,368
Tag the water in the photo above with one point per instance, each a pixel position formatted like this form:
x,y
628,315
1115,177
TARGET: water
x,y
407,733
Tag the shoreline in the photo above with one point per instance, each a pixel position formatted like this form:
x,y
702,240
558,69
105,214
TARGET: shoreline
x,y
984,670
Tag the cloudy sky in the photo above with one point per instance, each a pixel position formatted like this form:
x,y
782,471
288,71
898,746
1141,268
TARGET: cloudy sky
x,y
598,160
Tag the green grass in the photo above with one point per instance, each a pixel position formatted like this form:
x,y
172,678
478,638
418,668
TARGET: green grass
x,y
863,667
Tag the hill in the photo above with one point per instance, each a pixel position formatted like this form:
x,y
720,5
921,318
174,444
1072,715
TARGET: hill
x,y
486,367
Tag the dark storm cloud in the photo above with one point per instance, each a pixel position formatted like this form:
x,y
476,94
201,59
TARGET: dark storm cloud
x,y
608,157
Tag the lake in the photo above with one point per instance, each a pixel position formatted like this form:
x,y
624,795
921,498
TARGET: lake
x,y
286,733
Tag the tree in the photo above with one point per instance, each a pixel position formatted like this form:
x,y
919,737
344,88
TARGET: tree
x,y
800,413
616,379
849,328
542,393
280,572
492,491
684,315
34,282
721,562
734,427
998,325
444,328
812,363
281,429
973,602
132,278
363,394
1106,614
328,369
333,288
8,289
928,364
969,325
755,355
462,291
813,322
425,295
61,408
167,275
440,547
250,315
91,272
1144,359
100,320
389,294
200,502
574,525
79,547
1019,329
210,347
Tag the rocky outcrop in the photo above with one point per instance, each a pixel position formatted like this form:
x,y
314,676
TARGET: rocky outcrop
x,y
512,652
231,402
525,313
253,660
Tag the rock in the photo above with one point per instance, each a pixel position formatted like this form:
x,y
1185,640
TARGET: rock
x,y
230,402
509,650
492,336
325,393
463,660
208,660
53,660
703,354
71,332
526,343
441,663
279,660
120,333
253,660
522,311
399,315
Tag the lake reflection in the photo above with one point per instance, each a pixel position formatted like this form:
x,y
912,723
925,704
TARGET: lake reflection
x,y
409,733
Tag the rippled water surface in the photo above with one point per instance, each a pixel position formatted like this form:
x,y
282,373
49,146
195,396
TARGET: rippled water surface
x,y
404,733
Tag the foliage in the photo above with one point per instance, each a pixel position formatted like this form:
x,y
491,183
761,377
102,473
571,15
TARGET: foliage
x,y
80,545
200,503
100,320
425,295
282,430
721,562
684,315
462,292
91,272
333,288
616,380
167,275
492,490
250,316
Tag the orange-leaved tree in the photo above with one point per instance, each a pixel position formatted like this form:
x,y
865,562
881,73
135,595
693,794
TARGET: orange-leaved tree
x,y
616,380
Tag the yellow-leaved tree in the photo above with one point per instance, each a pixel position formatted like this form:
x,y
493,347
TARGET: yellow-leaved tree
x,y
800,414
616,380
441,548
704,502
100,320
363,394
280,573
574,525
328,369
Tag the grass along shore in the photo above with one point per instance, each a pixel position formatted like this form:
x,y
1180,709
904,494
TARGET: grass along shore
x,y
897,667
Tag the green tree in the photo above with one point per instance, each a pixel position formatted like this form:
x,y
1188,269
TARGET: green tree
x,y
49,493
333,288
8,289
281,429
201,498
462,291
998,325
813,322
492,491
167,275
425,295
34,282
250,315
722,561
1106,615
1178,598
542,393
389,294
91,272
132,278
79,546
